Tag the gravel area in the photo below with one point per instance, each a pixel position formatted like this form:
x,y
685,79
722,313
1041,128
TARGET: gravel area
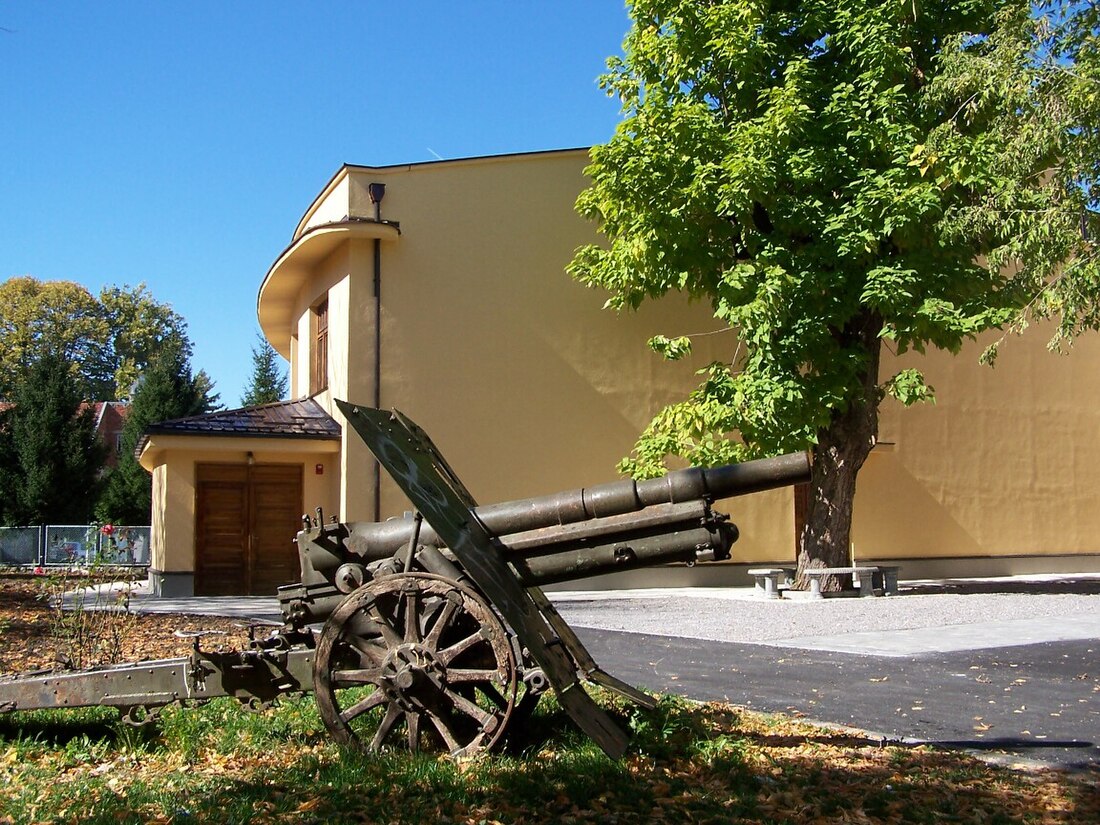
x,y
738,616
924,616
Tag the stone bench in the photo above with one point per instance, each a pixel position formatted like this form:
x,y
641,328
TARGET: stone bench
x,y
767,580
864,574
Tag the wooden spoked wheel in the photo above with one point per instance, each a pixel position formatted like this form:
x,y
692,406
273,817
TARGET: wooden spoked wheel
x,y
418,661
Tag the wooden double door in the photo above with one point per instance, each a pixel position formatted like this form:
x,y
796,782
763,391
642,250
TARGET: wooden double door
x,y
246,518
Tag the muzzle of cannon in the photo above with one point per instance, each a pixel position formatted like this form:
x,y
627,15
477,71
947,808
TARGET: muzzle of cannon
x,y
431,630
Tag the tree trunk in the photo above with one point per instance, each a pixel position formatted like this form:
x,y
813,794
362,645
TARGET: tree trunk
x,y
841,449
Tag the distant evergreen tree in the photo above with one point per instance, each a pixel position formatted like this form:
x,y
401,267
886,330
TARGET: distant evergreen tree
x,y
166,390
49,454
204,385
268,382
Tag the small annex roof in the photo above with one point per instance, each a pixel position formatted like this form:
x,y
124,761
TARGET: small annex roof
x,y
304,418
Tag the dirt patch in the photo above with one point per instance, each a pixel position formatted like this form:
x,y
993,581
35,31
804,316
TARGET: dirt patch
x,y
29,639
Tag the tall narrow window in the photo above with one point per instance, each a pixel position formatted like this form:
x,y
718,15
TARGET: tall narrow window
x,y
318,379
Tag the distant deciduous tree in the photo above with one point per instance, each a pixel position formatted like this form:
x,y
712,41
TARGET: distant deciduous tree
x,y
57,318
165,390
107,340
139,329
268,382
49,454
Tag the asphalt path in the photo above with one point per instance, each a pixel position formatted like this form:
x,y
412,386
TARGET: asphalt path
x,y
1034,704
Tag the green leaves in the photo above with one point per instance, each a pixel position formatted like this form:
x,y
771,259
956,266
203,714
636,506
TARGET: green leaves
x,y
909,388
813,168
1021,142
671,348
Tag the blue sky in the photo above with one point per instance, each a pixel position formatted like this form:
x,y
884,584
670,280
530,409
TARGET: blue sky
x,y
178,144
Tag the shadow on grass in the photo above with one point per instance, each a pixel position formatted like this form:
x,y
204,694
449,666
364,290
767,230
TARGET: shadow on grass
x,y
799,782
687,763
59,728
576,784
839,740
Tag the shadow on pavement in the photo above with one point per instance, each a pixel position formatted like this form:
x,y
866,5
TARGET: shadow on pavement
x,y
1008,743
1070,585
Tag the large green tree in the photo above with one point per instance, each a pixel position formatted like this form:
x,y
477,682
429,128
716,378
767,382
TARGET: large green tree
x,y
268,381
107,340
49,454
830,175
167,389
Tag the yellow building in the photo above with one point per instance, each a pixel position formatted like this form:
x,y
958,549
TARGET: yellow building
x,y
439,289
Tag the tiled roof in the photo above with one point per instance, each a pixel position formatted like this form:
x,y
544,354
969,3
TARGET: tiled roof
x,y
283,419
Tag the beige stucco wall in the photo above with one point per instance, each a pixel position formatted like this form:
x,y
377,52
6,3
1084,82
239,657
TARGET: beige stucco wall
x,y
332,207
172,460
1006,462
520,376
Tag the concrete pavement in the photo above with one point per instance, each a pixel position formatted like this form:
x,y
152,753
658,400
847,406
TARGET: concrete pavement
x,y
926,616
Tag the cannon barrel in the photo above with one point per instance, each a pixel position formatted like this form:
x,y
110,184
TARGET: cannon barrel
x,y
376,540
622,525
618,497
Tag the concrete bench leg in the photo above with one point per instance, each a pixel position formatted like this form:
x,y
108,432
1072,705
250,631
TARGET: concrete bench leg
x,y
767,581
771,586
766,585
886,580
866,584
815,587
889,582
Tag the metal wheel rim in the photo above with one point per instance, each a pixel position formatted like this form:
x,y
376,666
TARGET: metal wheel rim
x,y
418,660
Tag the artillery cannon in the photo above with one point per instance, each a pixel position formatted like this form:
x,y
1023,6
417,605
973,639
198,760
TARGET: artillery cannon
x,y
433,629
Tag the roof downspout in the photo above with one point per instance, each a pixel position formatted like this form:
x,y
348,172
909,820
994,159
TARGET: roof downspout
x,y
377,191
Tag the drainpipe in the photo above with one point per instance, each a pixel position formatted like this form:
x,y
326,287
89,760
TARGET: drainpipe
x,y
377,191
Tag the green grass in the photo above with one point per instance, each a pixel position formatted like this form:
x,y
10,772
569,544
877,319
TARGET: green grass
x,y
687,763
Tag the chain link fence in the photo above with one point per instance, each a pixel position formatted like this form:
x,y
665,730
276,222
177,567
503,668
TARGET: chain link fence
x,y
74,545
